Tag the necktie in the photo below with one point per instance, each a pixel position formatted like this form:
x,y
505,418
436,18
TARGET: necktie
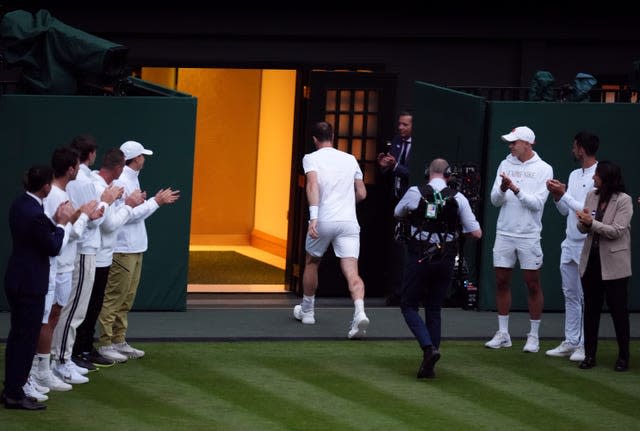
x,y
403,152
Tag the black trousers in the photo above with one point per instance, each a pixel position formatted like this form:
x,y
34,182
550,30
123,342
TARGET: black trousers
x,y
615,292
26,321
86,330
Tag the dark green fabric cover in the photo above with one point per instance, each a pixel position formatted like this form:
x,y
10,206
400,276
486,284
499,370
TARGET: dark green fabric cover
x,y
53,55
542,87
31,126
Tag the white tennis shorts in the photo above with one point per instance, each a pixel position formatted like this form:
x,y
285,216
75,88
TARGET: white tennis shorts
x,y
508,249
343,235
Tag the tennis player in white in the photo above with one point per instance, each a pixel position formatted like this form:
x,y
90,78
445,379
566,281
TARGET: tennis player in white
x,y
334,185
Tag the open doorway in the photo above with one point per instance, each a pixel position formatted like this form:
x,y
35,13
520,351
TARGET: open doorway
x,y
241,184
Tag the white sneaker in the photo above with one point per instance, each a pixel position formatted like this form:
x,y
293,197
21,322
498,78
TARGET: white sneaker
x,y
51,381
68,373
30,391
359,326
564,349
36,386
578,355
532,345
501,339
111,353
128,351
80,370
307,318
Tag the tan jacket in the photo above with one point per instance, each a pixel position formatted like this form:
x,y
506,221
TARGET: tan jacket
x,y
615,236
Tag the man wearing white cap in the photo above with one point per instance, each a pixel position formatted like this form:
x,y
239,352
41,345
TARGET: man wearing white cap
x,y
520,191
124,274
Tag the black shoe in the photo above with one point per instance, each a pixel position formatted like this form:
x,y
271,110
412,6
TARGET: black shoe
x,y
429,359
26,403
80,361
588,362
621,365
97,359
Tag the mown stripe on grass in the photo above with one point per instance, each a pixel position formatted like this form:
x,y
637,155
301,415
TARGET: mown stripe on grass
x,y
233,382
107,402
235,385
353,403
212,411
600,386
281,389
429,398
543,404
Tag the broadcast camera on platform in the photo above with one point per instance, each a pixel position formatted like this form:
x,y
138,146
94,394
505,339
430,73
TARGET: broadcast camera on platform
x,y
465,178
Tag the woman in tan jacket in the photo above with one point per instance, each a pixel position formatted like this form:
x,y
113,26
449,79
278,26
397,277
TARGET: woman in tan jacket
x,y
605,263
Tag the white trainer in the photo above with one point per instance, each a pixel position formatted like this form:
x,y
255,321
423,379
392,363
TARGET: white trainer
x,y
564,349
36,386
578,355
30,391
532,345
68,373
80,370
51,381
307,318
111,353
130,352
359,326
501,339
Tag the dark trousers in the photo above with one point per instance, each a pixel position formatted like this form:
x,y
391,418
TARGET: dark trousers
x,y
26,321
86,330
426,282
595,291
396,264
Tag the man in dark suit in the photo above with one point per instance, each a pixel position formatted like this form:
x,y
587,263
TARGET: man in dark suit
x,y
394,164
35,238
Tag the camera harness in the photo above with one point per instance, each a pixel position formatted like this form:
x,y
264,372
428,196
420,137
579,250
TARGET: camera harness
x,y
436,214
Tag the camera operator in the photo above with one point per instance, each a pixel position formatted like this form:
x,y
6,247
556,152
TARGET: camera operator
x,y
434,213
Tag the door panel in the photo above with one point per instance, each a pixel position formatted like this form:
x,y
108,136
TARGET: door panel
x,y
360,106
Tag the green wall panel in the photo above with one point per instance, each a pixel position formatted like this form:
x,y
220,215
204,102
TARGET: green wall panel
x,y
448,124
32,126
465,128
555,124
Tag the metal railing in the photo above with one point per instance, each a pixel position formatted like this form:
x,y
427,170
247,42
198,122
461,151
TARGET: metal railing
x,y
595,95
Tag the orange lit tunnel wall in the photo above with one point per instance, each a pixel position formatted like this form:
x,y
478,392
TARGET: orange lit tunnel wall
x,y
274,161
226,150
244,132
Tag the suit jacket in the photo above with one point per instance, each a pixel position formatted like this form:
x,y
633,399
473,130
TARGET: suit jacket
x,y
35,238
615,236
402,170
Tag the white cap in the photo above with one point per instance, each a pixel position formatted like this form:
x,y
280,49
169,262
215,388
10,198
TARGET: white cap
x,y
133,149
522,133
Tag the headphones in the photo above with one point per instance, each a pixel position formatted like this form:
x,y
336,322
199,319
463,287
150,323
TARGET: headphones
x,y
446,174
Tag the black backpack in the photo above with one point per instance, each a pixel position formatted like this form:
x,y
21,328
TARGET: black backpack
x,y
436,214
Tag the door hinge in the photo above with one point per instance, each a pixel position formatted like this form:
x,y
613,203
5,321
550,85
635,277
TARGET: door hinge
x,y
306,92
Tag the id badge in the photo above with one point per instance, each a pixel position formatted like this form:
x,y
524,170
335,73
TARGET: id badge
x,y
432,211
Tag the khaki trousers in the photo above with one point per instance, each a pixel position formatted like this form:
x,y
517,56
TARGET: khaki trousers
x,y
122,285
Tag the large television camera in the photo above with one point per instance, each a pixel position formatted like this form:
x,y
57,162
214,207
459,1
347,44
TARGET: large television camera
x,y
465,178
